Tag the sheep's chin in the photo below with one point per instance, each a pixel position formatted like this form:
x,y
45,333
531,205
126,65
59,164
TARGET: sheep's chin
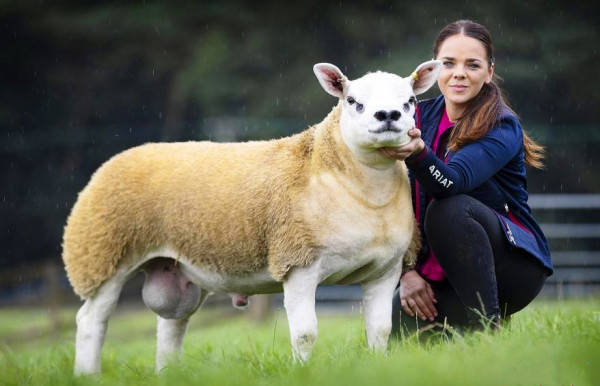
x,y
396,142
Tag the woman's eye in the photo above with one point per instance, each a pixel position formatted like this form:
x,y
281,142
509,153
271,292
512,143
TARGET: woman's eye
x,y
360,107
350,100
474,66
406,107
447,64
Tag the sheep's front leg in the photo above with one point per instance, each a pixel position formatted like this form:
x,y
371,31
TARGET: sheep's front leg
x,y
377,302
92,319
299,300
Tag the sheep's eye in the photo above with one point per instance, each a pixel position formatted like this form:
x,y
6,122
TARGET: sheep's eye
x,y
406,107
350,100
412,100
360,107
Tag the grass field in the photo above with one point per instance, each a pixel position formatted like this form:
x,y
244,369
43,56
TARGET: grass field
x,y
550,343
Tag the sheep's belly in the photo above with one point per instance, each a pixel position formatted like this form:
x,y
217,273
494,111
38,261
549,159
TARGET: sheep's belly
x,y
333,269
260,282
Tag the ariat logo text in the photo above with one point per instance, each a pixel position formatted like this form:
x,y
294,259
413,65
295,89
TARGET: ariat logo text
x,y
439,177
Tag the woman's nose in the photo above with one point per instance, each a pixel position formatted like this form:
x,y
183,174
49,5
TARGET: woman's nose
x,y
459,72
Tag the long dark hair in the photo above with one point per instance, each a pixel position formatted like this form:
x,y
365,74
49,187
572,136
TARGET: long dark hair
x,y
482,112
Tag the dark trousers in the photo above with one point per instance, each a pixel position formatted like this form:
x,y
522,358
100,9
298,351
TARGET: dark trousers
x,y
485,274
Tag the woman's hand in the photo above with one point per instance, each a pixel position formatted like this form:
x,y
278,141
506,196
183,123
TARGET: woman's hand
x,y
415,146
416,296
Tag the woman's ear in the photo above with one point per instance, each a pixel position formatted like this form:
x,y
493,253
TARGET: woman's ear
x,y
490,73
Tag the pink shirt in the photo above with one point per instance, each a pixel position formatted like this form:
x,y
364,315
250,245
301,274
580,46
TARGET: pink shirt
x,y
431,269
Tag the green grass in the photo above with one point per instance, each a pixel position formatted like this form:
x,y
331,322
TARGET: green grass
x,y
550,343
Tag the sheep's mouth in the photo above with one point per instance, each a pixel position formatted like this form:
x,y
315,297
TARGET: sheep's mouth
x,y
386,127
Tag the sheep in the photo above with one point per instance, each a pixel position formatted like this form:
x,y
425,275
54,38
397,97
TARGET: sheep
x,y
321,206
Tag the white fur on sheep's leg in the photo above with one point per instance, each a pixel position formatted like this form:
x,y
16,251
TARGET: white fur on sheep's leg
x,y
377,302
299,300
169,342
170,334
92,319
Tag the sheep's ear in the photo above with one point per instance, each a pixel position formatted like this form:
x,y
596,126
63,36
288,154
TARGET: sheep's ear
x,y
425,75
331,78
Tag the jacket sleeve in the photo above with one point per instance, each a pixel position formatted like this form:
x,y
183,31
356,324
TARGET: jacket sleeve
x,y
470,166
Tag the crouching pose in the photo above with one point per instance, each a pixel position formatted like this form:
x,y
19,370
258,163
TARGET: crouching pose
x,y
322,206
482,254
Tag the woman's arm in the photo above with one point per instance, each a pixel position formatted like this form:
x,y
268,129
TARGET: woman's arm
x,y
470,167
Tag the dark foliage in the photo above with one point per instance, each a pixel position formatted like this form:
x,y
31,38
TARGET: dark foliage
x,y
84,80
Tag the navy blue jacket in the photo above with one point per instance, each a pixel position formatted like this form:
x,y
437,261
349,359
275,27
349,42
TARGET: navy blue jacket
x,y
492,170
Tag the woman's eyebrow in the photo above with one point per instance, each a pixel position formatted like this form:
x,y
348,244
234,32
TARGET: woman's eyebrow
x,y
467,60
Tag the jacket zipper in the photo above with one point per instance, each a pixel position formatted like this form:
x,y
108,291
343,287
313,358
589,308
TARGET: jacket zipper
x,y
511,238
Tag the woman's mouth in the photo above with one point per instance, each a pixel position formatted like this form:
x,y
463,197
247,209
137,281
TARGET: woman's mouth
x,y
458,87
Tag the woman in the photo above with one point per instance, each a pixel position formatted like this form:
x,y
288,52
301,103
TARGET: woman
x,y
482,252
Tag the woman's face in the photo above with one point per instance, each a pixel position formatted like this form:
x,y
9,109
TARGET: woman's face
x,y
465,68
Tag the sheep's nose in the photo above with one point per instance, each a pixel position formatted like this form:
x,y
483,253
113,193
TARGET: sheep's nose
x,y
382,115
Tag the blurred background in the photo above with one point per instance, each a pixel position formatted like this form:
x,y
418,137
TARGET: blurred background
x,y
83,80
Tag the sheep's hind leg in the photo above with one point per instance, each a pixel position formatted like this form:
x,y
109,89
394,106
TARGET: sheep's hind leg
x,y
92,319
174,298
169,340
299,300
377,302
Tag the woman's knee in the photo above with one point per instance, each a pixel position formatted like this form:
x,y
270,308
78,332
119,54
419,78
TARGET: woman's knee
x,y
443,214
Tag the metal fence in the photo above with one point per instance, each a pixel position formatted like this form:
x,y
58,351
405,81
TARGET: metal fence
x,y
571,223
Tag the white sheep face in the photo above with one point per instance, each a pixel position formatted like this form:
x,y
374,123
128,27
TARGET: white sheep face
x,y
377,109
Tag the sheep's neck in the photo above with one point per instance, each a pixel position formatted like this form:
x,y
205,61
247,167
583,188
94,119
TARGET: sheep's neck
x,y
374,187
